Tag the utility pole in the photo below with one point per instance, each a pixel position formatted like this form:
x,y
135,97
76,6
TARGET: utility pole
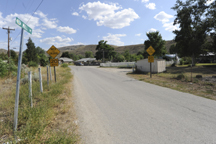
x,y
8,31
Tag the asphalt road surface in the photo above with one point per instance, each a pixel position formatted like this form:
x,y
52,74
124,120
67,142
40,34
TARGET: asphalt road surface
x,y
113,108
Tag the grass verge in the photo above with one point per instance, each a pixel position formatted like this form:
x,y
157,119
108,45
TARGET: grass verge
x,y
51,118
179,78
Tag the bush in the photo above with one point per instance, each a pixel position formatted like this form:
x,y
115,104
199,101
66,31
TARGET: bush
x,y
32,64
185,61
6,69
180,77
64,65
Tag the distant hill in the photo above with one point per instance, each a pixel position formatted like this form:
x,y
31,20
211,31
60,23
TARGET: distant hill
x,y
133,49
3,51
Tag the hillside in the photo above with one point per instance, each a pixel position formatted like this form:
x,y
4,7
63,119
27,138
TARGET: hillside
x,y
3,51
133,49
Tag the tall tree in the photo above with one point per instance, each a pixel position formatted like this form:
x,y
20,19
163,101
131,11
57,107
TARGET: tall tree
x,y
89,54
103,47
192,32
31,53
155,40
65,54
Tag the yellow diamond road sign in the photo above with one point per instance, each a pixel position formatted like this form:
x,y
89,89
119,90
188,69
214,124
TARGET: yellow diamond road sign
x,y
53,51
150,59
150,50
53,62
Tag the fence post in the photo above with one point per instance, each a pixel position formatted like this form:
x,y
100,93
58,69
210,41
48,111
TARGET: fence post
x,y
55,73
50,74
30,87
40,80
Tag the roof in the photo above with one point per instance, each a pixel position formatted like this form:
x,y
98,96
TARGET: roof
x,y
86,59
208,54
65,59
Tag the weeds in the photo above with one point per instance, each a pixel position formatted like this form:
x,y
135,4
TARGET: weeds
x,y
35,124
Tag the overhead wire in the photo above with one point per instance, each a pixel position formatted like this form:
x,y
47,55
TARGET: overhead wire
x,y
29,19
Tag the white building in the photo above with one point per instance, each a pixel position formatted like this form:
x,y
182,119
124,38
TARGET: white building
x,y
159,65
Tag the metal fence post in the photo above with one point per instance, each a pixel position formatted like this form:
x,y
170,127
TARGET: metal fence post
x,y
40,80
30,87
50,74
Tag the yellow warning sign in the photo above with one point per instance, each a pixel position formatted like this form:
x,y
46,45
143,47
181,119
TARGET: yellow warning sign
x,y
150,59
150,50
53,62
53,51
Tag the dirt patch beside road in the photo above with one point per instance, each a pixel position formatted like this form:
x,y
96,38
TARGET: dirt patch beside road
x,y
179,78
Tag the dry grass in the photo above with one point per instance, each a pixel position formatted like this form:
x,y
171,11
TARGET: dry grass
x,y
51,120
205,87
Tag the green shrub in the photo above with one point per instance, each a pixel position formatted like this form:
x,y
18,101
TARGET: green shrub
x,y
64,65
180,76
6,69
32,64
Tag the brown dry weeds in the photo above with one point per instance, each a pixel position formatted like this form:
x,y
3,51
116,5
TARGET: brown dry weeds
x,y
204,87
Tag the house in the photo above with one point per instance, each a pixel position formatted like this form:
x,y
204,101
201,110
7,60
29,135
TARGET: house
x,y
207,58
65,60
86,61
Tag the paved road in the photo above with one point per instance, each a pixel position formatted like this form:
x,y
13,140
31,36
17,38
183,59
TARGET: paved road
x,y
113,108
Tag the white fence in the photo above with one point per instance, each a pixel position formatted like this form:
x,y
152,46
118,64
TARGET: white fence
x,y
119,64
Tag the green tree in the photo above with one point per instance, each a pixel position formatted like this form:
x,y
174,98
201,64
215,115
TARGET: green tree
x,y
155,40
192,33
173,49
31,53
43,59
65,54
107,49
89,54
3,56
127,55
119,58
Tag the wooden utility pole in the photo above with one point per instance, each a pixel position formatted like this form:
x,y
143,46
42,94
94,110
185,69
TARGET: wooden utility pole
x,y
8,31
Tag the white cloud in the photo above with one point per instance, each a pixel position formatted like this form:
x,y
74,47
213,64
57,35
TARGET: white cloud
x,y
209,2
114,39
152,30
9,20
145,1
151,6
37,33
57,41
66,29
84,17
162,16
170,26
79,43
75,13
104,14
48,23
138,34
51,24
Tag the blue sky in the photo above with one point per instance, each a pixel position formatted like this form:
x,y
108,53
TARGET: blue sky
x,y
73,22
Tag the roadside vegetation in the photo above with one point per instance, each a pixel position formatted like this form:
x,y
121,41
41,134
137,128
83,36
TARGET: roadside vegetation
x,y
51,120
179,78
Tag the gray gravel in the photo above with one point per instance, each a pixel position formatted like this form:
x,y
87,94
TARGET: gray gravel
x,y
113,108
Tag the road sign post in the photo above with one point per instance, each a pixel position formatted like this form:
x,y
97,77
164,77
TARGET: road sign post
x,y
29,30
150,51
53,52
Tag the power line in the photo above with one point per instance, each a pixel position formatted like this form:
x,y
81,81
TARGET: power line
x,y
29,19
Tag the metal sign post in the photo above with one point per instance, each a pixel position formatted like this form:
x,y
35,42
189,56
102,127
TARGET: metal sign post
x,y
29,30
150,51
18,84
